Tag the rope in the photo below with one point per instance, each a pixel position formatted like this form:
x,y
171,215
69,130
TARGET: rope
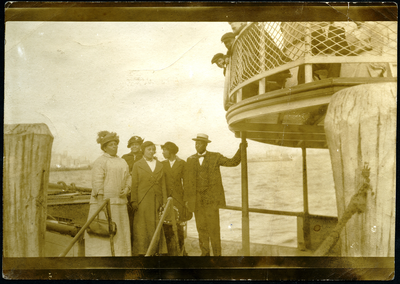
x,y
357,204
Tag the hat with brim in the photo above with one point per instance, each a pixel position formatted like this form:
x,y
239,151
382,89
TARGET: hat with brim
x,y
146,144
202,137
104,137
216,57
227,36
171,147
135,139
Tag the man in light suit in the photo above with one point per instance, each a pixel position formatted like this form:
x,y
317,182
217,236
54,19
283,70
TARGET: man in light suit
x,y
204,193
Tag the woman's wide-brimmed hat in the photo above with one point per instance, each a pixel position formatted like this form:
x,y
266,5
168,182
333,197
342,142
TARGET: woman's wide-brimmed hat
x,y
135,139
202,137
105,136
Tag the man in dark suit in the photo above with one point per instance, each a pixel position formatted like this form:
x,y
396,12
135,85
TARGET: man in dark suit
x,y
174,169
204,193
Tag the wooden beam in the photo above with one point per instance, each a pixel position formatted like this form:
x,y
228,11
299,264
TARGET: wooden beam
x,y
192,11
316,116
280,118
293,144
287,136
277,128
336,83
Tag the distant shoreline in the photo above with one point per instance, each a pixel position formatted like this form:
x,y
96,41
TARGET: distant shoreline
x,y
268,160
70,169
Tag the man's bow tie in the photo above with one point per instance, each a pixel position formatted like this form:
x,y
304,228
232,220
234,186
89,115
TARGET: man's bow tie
x,y
201,156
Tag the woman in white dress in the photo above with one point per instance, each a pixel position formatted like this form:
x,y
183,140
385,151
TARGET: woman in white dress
x,y
110,180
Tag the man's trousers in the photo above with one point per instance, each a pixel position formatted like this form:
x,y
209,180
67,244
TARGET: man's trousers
x,y
207,223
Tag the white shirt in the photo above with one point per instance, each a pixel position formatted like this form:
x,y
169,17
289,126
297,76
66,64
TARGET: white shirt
x,y
171,163
152,164
201,159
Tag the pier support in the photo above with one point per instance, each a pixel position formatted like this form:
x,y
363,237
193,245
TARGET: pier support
x,y
306,221
245,199
360,128
27,153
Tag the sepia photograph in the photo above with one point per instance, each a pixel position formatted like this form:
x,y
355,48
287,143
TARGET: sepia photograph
x,y
199,141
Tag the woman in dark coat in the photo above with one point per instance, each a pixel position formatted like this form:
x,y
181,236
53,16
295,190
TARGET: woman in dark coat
x,y
174,169
148,195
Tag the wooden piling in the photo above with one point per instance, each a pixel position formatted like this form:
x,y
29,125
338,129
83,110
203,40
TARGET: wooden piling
x,y
245,199
360,128
26,164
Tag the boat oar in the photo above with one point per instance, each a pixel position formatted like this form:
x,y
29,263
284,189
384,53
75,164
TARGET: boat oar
x,y
82,230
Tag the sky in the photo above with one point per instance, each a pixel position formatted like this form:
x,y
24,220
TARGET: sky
x,y
151,79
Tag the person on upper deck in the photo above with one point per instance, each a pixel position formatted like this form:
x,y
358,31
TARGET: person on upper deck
x,y
174,169
204,192
368,38
228,39
237,27
219,59
251,63
110,179
327,38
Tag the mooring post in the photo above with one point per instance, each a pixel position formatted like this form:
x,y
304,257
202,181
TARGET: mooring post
x,y
27,155
306,221
245,199
360,127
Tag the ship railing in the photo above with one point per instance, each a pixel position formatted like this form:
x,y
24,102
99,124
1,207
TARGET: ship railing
x,y
304,240
79,235
266,54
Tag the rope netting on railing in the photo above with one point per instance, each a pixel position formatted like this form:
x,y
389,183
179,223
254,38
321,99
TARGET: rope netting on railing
x,y
263,46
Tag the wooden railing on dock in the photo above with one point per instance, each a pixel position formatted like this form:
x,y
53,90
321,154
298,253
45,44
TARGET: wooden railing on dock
x,y
79,235
156,237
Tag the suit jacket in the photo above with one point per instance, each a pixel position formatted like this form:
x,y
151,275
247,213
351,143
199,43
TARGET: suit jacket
x,y
215,192
174,179
144,180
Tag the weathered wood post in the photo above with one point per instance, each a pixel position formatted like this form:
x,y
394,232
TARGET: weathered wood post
x,y
360,127
27,153
245,198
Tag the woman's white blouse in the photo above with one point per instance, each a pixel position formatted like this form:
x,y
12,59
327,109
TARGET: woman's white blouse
x,y
110,177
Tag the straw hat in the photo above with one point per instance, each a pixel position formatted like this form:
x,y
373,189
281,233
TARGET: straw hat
x,y
202,137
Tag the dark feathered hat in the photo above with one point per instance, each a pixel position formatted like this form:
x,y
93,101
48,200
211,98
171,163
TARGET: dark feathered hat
x,y
135,139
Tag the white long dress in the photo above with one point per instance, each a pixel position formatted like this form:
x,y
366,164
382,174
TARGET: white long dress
x,y
110,176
